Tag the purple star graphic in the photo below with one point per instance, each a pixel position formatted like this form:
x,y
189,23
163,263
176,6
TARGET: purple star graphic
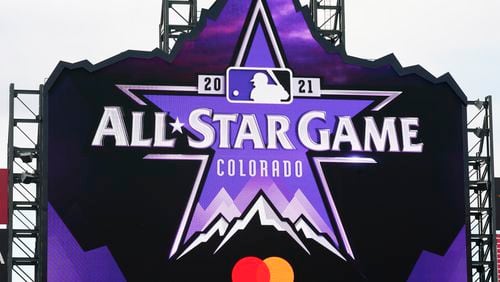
x,y
228,191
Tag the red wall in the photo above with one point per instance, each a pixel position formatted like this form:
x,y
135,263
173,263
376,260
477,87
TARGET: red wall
x,y
497,190
498,254
3,198
3,224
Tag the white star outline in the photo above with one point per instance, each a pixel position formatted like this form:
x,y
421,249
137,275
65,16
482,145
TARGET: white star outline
x,y
318,162
176,126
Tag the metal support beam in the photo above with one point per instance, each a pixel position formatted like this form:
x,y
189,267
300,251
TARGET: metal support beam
x,y
481,191
26,226
178,17
329,18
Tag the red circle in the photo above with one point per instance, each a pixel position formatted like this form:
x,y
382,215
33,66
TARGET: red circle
x,y
251,269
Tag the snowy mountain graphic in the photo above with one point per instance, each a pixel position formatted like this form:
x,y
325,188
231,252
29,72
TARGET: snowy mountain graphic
x,y
224,205
267,216
222,230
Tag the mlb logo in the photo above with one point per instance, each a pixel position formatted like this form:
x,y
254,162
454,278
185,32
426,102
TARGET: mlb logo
x,y
259,85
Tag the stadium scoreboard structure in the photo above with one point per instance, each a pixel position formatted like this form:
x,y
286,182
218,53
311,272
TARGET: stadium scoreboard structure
x,y
257,149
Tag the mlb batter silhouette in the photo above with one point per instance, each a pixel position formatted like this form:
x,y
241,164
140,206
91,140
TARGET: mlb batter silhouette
x,y
263,92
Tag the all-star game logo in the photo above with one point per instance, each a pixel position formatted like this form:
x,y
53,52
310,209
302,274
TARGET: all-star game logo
x,y
254,151
261,121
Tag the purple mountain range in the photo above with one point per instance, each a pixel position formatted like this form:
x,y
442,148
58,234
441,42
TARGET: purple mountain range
x,y
230,208
222,230
227,207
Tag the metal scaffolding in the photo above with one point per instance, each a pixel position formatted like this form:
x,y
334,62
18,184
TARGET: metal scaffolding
x,y
481,191
329,19
179,17
26,226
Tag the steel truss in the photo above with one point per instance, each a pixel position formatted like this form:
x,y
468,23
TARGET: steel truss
x,y
329,19
179,17
27,221
481,190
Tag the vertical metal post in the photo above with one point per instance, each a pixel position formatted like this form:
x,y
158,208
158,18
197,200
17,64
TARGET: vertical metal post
x,y
166,26
491,175
342,24
10,160
41,248
314,10
194,12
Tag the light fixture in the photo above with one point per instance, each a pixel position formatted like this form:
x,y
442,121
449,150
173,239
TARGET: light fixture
x,y
479,104
480,132
26,155
25,178
482,186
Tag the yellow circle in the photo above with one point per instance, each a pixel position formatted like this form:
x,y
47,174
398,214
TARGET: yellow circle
x,y
280,269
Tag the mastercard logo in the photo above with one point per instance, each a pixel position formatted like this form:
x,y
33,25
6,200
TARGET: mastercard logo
x,y
253,269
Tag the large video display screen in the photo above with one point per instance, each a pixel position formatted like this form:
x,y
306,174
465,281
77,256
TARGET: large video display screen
x,y
256,151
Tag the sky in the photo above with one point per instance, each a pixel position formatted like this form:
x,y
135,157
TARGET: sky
x,y
456,36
